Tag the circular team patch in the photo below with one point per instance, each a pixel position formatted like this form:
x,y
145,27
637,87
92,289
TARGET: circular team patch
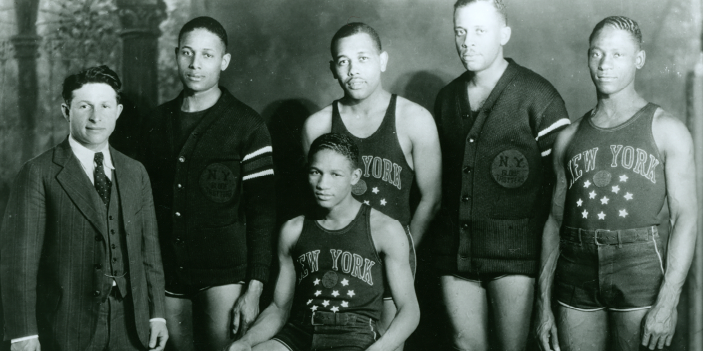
x,y
359,188
218,183
329,279
602,178
510,168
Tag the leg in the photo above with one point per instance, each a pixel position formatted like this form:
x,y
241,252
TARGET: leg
x,y
387,316
580,330
271,345
179,321
467,310
511,300
212,316
625,329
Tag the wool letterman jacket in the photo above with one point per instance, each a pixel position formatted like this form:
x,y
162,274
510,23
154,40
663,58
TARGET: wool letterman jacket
x,y
497,178
214,197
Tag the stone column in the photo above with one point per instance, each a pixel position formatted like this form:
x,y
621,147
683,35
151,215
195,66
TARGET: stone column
x,y
140,32
26,44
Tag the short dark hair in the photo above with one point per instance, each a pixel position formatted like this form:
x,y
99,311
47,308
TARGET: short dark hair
x,y
338,143
620,22
498,4
98,74
208,23
350,29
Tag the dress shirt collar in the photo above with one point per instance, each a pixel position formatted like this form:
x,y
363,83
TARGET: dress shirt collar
x,y
87,157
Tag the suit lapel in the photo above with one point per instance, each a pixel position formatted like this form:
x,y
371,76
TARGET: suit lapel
x,y
78,187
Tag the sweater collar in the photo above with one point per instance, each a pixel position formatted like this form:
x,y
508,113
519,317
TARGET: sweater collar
x,y
503,82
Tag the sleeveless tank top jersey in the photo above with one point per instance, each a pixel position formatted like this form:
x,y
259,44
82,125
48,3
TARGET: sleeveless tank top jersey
x,y
338,270
387,177
615,176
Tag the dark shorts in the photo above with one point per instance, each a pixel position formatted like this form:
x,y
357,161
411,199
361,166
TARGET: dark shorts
x,y
614,270
328,331
479,278
181,291
413,264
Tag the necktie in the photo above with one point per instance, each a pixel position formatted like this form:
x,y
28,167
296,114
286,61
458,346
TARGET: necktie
x,y
102,182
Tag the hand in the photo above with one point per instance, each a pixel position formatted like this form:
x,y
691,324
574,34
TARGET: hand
x,y
158,334
26,345
238,346
245,311
658,326
546,330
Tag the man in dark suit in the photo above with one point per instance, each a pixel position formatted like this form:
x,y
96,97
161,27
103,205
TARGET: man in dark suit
x,y
80,261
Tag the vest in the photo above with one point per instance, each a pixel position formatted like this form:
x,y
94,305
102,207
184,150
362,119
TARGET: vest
x,y
114,259
615,176
338,270
387,177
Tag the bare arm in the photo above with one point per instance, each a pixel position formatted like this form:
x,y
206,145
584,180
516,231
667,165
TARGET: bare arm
x,y
316,125
674,140
394,247
427,160
545,325
274,317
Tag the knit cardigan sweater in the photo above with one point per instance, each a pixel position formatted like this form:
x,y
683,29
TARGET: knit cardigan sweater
x,y
497,179
214,198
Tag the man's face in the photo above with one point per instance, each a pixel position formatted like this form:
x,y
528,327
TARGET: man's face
x,y
331,177
92,114
201,57
613,60
357,65
480,34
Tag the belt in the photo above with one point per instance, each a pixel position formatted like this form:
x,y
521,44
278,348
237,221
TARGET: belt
x,y
608,237
331,318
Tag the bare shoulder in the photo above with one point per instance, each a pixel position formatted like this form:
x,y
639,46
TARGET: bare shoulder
x,y
670,133
319,122
565,135
413,118
290,232
386,231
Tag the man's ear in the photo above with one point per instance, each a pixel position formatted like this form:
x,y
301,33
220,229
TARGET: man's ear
x,y
356,175
225,61
505,34
119,110
66,111
384,61
175,51
640,59
333,70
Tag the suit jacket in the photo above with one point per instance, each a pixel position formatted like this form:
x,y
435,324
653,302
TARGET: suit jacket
x,y
54,238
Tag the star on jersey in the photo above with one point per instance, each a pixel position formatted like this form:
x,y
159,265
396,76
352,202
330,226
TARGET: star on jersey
x,y
592,194
345,282
587,183
367,202
351,293
616,189
623,213
309,302
345,304
375,190
601,216
325,303
314,308
604,200
335,293
316,282
579,203
383,202
628,196
317,293
584,214
334,309
623,178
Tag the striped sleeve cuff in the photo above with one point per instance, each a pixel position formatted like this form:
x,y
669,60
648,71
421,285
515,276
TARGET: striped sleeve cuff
x,y
258,163
554,126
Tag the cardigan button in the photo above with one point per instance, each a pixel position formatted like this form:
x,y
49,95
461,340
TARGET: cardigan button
x,y
465,226
465,198
471,140
178,214
467,169
179,186
182,159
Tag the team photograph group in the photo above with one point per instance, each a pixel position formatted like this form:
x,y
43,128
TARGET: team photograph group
x,y
543,227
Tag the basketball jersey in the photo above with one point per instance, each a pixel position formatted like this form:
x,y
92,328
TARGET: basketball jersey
x,y
387,177
615,176
338,270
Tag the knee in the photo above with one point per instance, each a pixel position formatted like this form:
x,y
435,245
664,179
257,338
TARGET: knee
x,y
467,343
